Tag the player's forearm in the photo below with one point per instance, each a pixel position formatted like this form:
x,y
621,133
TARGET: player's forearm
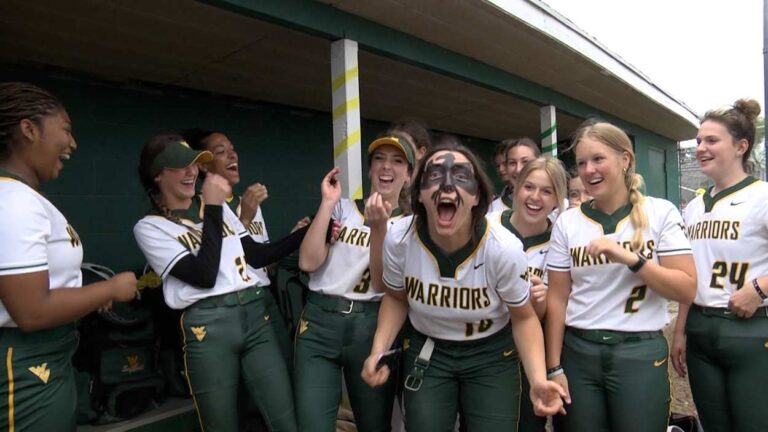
x,y
554,324
314,249
682,318
262,254
676,284
62,306
392,314
529,338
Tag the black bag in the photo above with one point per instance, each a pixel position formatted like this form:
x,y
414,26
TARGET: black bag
x,y
687,423
117,350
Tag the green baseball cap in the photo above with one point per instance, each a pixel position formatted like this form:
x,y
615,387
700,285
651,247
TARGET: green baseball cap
x,y
395,140
179,155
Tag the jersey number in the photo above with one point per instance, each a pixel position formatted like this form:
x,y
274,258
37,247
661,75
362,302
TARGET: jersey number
x,y
482,326
364,284
737,274
637,295
241,268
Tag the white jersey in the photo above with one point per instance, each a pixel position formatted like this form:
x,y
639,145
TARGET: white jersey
x,y
729,236
535,247
503,202
165,242
257,229
604,294
36,237
465,295
345,270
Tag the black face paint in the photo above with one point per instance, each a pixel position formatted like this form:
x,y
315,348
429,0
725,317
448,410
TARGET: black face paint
x,y
448,175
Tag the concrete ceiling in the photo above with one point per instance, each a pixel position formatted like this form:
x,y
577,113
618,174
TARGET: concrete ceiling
x,y
192,45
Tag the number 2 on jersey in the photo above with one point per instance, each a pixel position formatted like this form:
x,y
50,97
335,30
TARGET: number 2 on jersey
x,y
637,295
736,272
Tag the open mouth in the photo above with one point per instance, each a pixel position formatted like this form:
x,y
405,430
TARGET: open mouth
x,y
233,167
533,208
64,156
595,181
386,180
704,159
446,212
188,182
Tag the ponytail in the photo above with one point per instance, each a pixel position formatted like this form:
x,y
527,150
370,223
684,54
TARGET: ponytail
x,y
637,216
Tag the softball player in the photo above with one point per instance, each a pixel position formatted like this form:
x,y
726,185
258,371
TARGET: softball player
x,y
339,320
40,256
447,269
723,335
207,269
226,163
612,265
577,194
540,190
518,152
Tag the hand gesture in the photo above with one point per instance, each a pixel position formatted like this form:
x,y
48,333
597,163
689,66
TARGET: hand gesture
x,y
538,289
547,398
377,211
123,287
745,301
330,188
300,224
216,189
678,354
251,200
612,250
372,374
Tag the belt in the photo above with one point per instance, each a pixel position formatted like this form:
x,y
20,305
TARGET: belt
x,y
613,337
340,304
14,335
761,312
235,298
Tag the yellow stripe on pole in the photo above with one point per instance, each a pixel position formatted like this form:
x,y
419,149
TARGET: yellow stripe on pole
x,y
358,193
342,79
346,107
348,141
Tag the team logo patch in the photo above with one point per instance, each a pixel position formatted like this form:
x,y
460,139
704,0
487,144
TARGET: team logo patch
x,y
199,333
658,363
133,365
41,372
508,353
303,326
266,317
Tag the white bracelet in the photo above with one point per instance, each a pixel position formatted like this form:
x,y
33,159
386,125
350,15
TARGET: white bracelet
x,y
555,373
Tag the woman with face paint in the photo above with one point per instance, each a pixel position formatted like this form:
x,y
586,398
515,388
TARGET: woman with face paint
x,y
338,322
447,269
721,338
517,152
41,292
206,259
539,191
613,264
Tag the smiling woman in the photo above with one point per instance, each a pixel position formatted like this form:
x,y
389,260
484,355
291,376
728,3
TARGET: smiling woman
x,y
449,269
40,255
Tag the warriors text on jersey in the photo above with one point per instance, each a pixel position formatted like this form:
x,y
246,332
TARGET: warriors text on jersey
x,y
729,237
464,295
36,237
607,295
165,242
345,270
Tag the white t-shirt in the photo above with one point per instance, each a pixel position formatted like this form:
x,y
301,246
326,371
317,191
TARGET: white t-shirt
x,y
729,237
36,237
257,229
165,242
464,296
607,295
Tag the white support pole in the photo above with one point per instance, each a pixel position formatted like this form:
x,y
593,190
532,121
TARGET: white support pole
x,y
346,117
548,129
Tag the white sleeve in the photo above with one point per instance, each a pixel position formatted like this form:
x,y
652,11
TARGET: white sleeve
x,y
393,260
558,257
507,264
24,229
231,219
160,247
672,238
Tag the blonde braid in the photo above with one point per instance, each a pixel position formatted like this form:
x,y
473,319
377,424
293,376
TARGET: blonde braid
x,y
638,217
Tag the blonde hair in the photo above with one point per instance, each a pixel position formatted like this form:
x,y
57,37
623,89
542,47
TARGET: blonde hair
x,y
617,140
556,172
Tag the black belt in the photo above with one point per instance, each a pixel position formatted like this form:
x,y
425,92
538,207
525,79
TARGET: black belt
x,y
613,337
761,312
340,304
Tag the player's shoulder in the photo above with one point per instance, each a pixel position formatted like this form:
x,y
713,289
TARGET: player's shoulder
x,y
400,227
498,236
658,205
19,198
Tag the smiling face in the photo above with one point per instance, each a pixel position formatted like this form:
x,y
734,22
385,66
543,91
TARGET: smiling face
x,y
577,194
601,168
177,186
225,159
388,171
449,191
517,157
718,154
536,197
51,145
